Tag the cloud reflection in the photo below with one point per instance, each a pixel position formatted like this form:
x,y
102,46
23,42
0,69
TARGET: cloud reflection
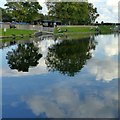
x,y
112,48
104,65
41,68
105,70
66,102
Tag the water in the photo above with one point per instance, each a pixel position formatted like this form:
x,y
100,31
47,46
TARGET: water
x,y
61,77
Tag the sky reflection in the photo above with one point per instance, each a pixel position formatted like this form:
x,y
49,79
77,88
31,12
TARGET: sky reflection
x,y
90,93
104,65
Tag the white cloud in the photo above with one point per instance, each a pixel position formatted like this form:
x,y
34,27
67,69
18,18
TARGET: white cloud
x,y
40,69
106,8
94,1
108,44
112,3
112,48
40,104
105,70
65,102
41,1
2,2
104,65
44,7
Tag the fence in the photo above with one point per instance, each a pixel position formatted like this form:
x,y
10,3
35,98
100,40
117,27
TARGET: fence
x,y
29,27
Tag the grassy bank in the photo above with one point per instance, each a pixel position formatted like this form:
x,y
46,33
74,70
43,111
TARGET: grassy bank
x,y
83,29
16,32
12,39
75,29
73,36
106,28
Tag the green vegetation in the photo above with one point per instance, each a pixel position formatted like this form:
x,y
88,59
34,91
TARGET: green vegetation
x,y
77,29
69,57
21,11
73,36
106,28
0,32
74,32
12,39
72,13
23,57
83,29
16,32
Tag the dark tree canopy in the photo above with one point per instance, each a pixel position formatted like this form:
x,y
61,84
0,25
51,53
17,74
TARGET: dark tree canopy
x,y
24,11
23,57
5,16
69,57
72,12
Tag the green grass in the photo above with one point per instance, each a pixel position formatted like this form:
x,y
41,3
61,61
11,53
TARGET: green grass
x,y
76,30
106,28
11,39
84,29
17,32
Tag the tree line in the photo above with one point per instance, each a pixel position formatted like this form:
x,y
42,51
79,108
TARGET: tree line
x,y
67,57
21,11
72,13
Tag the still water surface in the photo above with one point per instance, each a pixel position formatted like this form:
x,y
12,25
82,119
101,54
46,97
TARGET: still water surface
x,y
61,77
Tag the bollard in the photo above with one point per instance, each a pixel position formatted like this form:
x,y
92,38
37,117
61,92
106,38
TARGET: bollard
x,y
4,31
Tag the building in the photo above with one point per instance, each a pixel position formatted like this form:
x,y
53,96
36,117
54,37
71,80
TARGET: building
x,y
50,23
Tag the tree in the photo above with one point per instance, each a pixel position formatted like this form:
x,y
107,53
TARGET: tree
x,y
102,23
24,11
23,57
5,15
69,57
92,13
72,12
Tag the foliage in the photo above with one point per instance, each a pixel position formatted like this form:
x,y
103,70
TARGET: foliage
x,y
5,15
106,28
24,11
72,12
69,56
23,57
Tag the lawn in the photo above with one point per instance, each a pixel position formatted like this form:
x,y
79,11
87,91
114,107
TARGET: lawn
x,y
16,32
84,29
106,28
78,29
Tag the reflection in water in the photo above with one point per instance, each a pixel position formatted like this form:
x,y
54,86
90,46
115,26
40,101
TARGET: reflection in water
x,y
67,102
105,70
104,65
23,57
92,93
69,57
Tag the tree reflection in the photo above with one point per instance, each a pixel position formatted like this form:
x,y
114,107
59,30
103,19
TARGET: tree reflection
x,y
23,57
69,56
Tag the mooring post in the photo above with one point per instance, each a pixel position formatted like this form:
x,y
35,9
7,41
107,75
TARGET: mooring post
x,y
4,31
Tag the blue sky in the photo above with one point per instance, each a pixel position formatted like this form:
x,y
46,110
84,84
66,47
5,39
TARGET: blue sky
x,y
108,9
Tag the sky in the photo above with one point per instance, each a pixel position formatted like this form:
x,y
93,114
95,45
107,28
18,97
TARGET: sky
x,y
108,9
